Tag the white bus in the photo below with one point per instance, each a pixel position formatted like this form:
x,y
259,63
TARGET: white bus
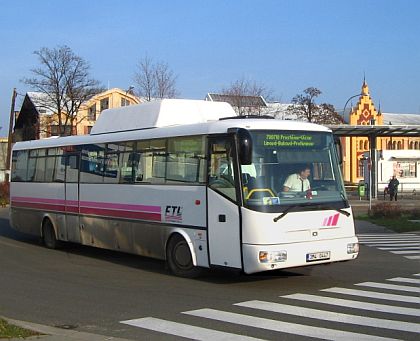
x,y
177,180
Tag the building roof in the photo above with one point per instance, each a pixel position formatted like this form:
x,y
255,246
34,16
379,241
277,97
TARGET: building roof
x,y
42,102
383,130
234,100
401,119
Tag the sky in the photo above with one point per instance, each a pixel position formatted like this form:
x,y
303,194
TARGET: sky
x,y
287,46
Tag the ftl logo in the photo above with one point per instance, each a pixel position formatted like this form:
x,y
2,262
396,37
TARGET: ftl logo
x,y
173,214
331,220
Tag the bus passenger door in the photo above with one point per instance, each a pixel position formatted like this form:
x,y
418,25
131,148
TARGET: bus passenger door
x,y
72,198
223,212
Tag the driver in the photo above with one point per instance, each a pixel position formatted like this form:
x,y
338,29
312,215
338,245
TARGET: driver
x,y
299,181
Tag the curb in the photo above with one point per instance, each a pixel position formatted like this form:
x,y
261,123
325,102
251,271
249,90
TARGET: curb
x,y
58,334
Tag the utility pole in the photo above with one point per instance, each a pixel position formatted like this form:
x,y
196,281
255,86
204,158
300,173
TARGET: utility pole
x,y
9,141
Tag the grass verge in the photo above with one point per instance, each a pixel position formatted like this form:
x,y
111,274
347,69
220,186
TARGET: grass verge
x,y
8,331
398,224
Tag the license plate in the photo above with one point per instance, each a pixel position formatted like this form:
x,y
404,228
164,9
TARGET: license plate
x,y
315,256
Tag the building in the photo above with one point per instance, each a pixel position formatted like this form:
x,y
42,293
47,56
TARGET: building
x,y
37,119
355,148
91,109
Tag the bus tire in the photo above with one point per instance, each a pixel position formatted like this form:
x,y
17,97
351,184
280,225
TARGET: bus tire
x,y
179,259
48,235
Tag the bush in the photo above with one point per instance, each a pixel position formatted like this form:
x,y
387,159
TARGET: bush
x,y
414,213
386,209
4,193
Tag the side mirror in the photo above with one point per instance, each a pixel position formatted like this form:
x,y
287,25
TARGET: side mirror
x,y
244,146
338,147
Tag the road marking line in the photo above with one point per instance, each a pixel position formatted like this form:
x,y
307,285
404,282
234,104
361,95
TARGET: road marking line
x,y
412,257
184,330
387,234
332,316
389,239
373,294
280,326
406,252
400,248
355,304
389,286
405,280
392,244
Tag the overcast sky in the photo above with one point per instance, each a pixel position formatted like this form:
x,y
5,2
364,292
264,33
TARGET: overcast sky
x,y
285,45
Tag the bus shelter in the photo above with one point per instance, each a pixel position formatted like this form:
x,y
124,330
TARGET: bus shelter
x,y
372,132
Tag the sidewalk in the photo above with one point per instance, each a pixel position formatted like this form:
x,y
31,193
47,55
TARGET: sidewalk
x,y
362,206
57,334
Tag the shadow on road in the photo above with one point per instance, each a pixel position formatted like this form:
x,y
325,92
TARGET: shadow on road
x,y
215,276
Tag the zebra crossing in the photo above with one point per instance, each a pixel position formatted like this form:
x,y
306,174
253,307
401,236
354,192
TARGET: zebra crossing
x,y
339,314
405,244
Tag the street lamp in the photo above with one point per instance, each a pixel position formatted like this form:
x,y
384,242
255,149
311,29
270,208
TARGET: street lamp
x,y
345,105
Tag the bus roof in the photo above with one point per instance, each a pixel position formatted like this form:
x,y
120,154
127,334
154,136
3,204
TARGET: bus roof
x,y
208,123
163,113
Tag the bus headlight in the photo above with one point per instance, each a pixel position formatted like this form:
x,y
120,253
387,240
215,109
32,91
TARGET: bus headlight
x,y
273,256
352,248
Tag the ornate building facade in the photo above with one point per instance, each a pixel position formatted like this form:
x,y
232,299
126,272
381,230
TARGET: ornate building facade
x,y
355,148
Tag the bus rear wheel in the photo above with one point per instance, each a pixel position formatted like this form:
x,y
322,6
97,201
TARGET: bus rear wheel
x,y
48,235
179,259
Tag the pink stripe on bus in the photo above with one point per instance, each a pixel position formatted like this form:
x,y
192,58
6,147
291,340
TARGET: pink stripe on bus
x,y
130,207
121,214
335,220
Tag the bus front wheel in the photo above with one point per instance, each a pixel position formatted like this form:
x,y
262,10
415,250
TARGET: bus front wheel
x,y
48,235
179,259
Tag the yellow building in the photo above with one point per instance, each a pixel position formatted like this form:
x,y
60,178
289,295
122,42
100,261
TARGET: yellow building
x,y
90,111
37,120
365,113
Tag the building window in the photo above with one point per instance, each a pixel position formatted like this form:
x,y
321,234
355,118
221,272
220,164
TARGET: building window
x,y
411,145
399,145
416,145
124,102
361,145
104,104
55,130
389,145
361,168
92,113
366,145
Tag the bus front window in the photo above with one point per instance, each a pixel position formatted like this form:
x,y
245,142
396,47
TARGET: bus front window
x,y
292,168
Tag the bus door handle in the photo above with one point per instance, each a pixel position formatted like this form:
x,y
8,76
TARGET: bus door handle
x,y
222,218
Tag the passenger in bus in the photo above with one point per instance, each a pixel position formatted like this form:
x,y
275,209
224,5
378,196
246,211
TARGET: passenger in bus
x,y
298,182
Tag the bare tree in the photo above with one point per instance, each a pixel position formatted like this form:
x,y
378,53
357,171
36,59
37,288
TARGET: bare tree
x,y
145,78
63,80
304,107
242,96
155,80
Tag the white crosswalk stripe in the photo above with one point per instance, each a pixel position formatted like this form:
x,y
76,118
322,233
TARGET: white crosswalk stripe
x,y
405,280
279,326
393,242
184,330
332,316
371,294
404,319
390,286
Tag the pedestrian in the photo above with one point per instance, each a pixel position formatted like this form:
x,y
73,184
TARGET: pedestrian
x,y
393,188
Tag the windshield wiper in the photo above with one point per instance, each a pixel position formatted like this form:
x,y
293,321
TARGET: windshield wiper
x,y
326,207
287,210
320,206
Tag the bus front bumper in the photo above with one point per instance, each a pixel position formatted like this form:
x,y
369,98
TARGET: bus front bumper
x,y
258,258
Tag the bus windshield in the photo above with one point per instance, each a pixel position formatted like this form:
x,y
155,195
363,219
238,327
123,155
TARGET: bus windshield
x,y
292,168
